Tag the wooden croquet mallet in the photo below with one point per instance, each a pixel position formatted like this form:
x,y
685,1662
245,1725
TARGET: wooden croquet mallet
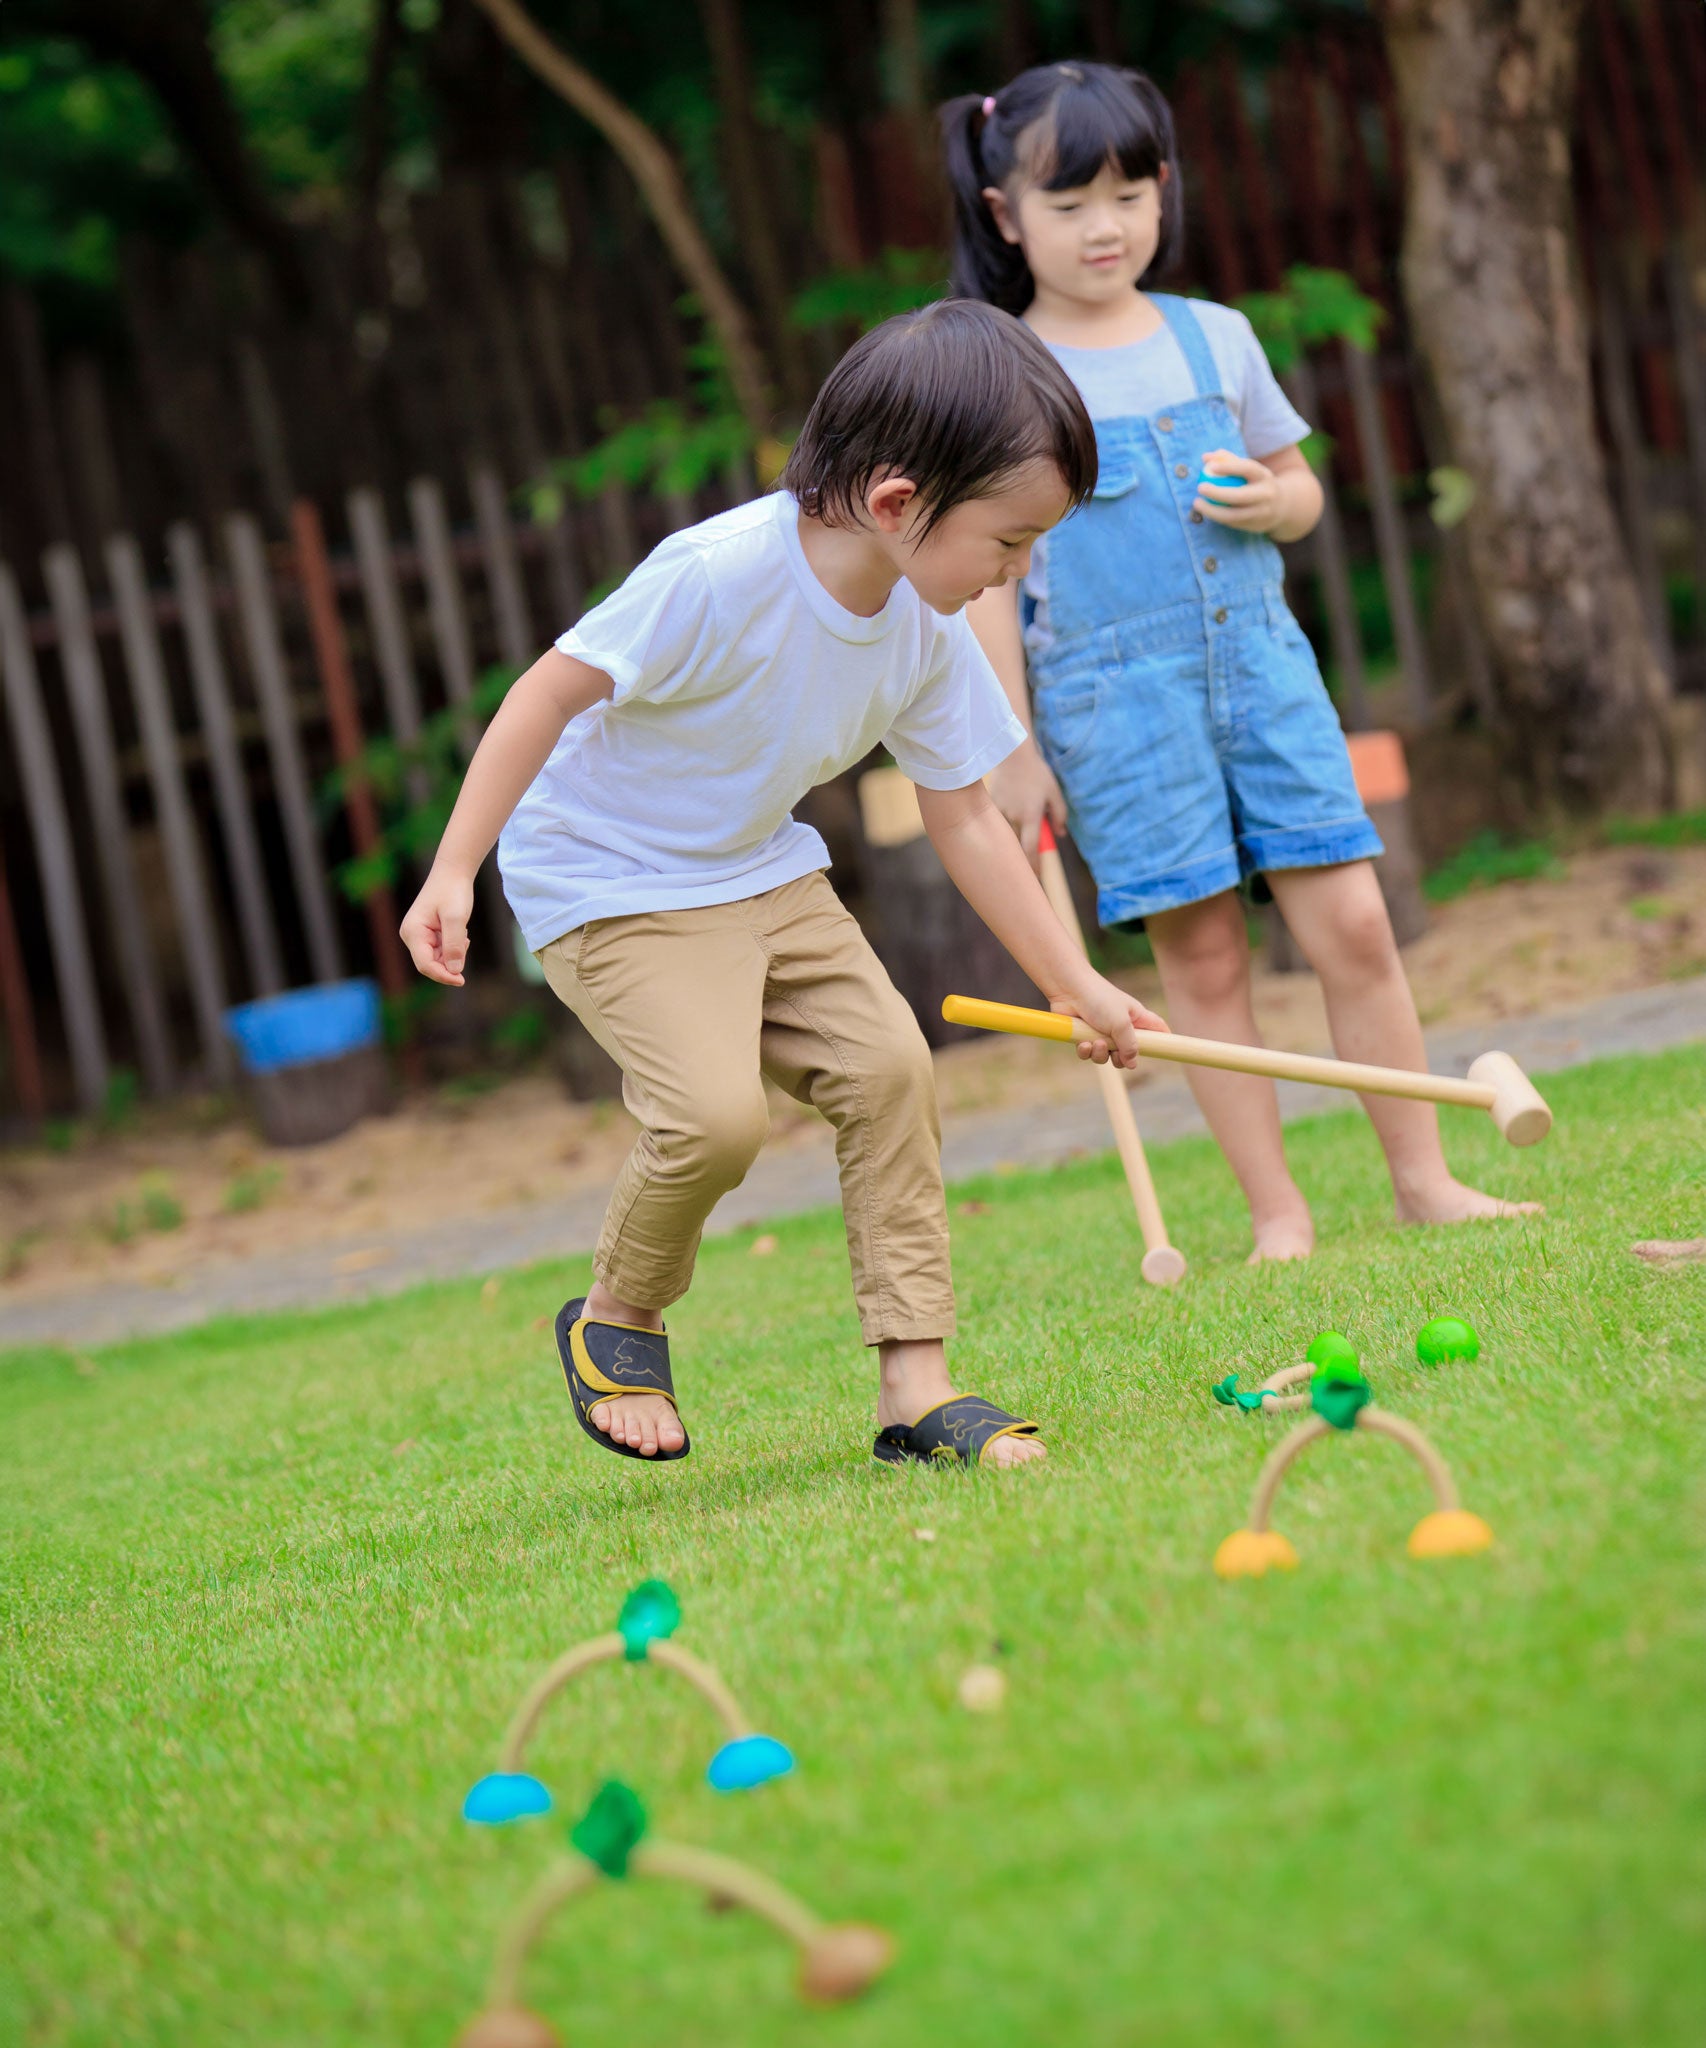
x,y
1163,1264
1495,1083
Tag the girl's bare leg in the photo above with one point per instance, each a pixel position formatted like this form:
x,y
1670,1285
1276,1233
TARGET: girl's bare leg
x,y
1203,952
1338,917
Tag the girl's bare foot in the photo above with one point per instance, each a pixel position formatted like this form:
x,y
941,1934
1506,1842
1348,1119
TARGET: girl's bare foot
x,y
1448,1201
1286,1233
646,1423
915,1380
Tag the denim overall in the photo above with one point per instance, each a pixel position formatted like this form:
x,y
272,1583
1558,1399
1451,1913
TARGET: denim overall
x,y
1177,701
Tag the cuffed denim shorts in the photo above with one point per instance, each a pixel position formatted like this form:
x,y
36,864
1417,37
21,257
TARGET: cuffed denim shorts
x,y
1198,746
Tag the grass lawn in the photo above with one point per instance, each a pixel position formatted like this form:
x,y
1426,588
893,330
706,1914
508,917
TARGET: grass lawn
x,y
272,1589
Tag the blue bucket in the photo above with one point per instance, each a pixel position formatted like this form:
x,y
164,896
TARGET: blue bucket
x,y
307,1024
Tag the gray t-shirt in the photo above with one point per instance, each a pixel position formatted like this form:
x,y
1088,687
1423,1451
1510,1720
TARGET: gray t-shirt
x,y
1150,375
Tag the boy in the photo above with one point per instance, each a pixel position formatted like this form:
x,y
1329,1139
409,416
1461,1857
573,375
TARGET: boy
x,y
646,768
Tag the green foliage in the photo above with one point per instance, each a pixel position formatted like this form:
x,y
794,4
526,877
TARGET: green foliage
x,y
1314,306
898,281
1488,858
85,155
295,68
161,1209
155,1208
519,1036
250,1190
1453,493
275,1585
670,448
414,824
118,1107
401,1015
1374,608
1677,828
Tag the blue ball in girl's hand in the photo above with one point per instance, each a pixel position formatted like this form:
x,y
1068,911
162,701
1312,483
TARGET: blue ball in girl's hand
x,y
1232,483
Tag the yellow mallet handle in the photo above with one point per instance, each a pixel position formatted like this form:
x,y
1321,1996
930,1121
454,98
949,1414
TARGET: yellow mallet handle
x,y
1012,1018
1496,1083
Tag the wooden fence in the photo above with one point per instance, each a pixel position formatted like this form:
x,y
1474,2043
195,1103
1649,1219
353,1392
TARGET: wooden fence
x,y
177,690
171,744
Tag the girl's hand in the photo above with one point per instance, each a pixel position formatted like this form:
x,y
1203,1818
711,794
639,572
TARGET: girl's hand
x,y
1025,792
1255,506
436,928
1110,1012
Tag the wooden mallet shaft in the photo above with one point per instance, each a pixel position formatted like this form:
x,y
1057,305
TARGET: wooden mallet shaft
x,y
1495,1082
1163,1264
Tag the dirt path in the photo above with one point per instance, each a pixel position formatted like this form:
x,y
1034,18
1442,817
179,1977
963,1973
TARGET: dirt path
x,y
172,1195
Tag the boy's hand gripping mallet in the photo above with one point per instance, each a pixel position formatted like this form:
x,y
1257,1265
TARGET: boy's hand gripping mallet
x,y
1496,1083
1163,1264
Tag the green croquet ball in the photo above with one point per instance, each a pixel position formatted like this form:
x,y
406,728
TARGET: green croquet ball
x,y
1332,1349
1446,1341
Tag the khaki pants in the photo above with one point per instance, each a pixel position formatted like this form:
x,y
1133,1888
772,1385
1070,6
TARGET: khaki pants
x,y
695,1005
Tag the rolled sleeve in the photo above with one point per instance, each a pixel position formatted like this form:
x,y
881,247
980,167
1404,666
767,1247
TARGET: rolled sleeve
x,y
653,634
959,724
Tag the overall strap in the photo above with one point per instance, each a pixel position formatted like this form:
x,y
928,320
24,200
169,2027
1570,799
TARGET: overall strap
x,y
1187,332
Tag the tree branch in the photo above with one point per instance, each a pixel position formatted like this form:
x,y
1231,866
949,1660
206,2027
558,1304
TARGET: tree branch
x,y
660,184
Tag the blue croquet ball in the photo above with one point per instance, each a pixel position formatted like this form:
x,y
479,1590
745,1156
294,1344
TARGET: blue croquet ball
x,y
1232,483
1447,1340
749,1760
505,1795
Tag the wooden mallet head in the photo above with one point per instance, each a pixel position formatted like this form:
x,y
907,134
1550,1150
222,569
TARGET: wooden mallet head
x,y
1517,1107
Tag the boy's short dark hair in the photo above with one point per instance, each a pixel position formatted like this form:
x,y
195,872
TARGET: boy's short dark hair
x,y
955,397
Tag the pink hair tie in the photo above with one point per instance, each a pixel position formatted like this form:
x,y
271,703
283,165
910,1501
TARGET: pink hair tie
x,y
989,106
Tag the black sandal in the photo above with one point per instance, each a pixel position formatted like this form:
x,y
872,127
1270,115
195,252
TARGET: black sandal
x,y
604,1359
961,1430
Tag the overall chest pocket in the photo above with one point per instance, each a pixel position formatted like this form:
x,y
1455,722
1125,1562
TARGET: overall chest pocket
x,y
1117,473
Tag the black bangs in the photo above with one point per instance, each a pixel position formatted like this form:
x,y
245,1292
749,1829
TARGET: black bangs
x,y
1095,121
958,397
1054,127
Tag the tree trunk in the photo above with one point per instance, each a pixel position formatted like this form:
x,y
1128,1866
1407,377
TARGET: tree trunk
x,y
750,190
654,171
906,87
1485,92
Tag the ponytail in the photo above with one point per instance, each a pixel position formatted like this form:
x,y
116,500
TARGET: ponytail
x,y
985,264
1054,126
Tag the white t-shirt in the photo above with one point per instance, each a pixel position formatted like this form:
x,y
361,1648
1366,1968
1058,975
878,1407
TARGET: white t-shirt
x,y
740,685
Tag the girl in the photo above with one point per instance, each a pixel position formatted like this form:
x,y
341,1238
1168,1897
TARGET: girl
x,y
1177,702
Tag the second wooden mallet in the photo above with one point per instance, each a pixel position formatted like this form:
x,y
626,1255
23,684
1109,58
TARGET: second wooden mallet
x,y
1495,1082
1163,1263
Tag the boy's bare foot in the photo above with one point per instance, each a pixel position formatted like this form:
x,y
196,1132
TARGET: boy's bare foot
x,y
646,1423
915,1380
1449,1201
1287,1233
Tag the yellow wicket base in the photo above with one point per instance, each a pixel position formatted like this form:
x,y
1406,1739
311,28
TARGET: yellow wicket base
x,y
1249,1553
1452,1532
